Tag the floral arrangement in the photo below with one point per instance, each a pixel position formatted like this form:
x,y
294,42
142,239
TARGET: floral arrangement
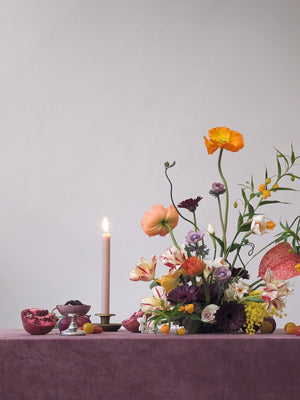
x,y
206,289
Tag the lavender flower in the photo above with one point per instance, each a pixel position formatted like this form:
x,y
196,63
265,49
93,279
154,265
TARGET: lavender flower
x,y
217,189
222,274
194,237
190,204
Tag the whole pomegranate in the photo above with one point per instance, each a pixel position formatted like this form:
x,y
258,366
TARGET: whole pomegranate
x,y
65,322
37,321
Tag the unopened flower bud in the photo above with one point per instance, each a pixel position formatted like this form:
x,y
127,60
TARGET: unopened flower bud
x,y
210,229
235,204
292,178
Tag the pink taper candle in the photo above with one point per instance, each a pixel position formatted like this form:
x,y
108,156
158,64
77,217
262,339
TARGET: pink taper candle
x,y
105,268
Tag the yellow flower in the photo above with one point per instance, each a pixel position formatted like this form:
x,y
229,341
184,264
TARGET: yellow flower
x,y
180,331
268,180
297,266
189,308
223,138
165,329
261,187
170,281
181,308
270,225
266,194
275,186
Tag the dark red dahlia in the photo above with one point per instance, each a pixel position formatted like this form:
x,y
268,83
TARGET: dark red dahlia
x,y
231,316
190,204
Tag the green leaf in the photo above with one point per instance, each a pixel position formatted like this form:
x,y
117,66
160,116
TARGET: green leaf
x,y
278,167
245,227
263,203
251,210
240,220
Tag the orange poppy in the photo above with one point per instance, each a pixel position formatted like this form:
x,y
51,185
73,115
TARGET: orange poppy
x,y
193,266
155,221
223,138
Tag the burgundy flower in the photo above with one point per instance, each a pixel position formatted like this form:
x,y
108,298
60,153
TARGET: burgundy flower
x,y
213,292
131,323
190,204
231,316
183,294
217,189
240,272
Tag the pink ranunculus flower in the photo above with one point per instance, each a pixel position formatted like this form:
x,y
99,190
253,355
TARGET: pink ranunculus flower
x,y
208,313
157,301
173,257
275,291
132,324
144,271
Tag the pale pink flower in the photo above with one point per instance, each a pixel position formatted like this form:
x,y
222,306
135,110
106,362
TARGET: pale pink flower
x,y
208,313
173,257
144,271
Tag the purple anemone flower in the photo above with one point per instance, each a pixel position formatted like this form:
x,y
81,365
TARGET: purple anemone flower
x,y
222,274
194,237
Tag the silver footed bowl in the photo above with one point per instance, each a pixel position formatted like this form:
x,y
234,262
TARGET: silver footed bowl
x,y
67,309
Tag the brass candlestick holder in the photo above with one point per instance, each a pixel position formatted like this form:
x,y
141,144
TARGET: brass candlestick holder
x,y
106,324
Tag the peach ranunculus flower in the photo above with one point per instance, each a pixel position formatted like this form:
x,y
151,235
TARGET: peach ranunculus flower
x,y
223,138
193,266
155,221
144,270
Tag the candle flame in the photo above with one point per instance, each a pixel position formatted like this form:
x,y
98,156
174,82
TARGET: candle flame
x,y
105,225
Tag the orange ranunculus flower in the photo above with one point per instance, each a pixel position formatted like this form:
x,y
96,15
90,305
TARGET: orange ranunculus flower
x,y
189,308
193,266
170,281
165,329
155,220
223,138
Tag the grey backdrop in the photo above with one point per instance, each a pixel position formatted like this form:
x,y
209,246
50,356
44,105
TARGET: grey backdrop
x,y
95,96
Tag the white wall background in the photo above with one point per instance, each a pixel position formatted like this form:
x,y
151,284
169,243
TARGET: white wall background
x,y
95,96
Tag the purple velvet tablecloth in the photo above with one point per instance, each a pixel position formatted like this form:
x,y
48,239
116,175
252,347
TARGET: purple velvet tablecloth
x,y
131,366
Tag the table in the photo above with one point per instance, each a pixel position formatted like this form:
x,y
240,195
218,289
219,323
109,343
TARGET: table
x,y
131,366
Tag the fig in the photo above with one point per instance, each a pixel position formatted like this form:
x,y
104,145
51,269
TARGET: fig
x,y
268,325
37,321
65,322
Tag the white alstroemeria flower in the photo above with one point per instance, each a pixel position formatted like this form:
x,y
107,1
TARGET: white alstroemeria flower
x,y
157,301
236,291
259,225
173,257
208,313
275,291
144,270
146,326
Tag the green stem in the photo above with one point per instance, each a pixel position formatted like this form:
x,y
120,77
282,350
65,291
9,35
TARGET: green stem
x,y
226,198
274,241
172,200
172,235
223,251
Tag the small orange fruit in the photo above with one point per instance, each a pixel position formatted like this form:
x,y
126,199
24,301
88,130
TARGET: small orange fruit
x,y
88,327
290,328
